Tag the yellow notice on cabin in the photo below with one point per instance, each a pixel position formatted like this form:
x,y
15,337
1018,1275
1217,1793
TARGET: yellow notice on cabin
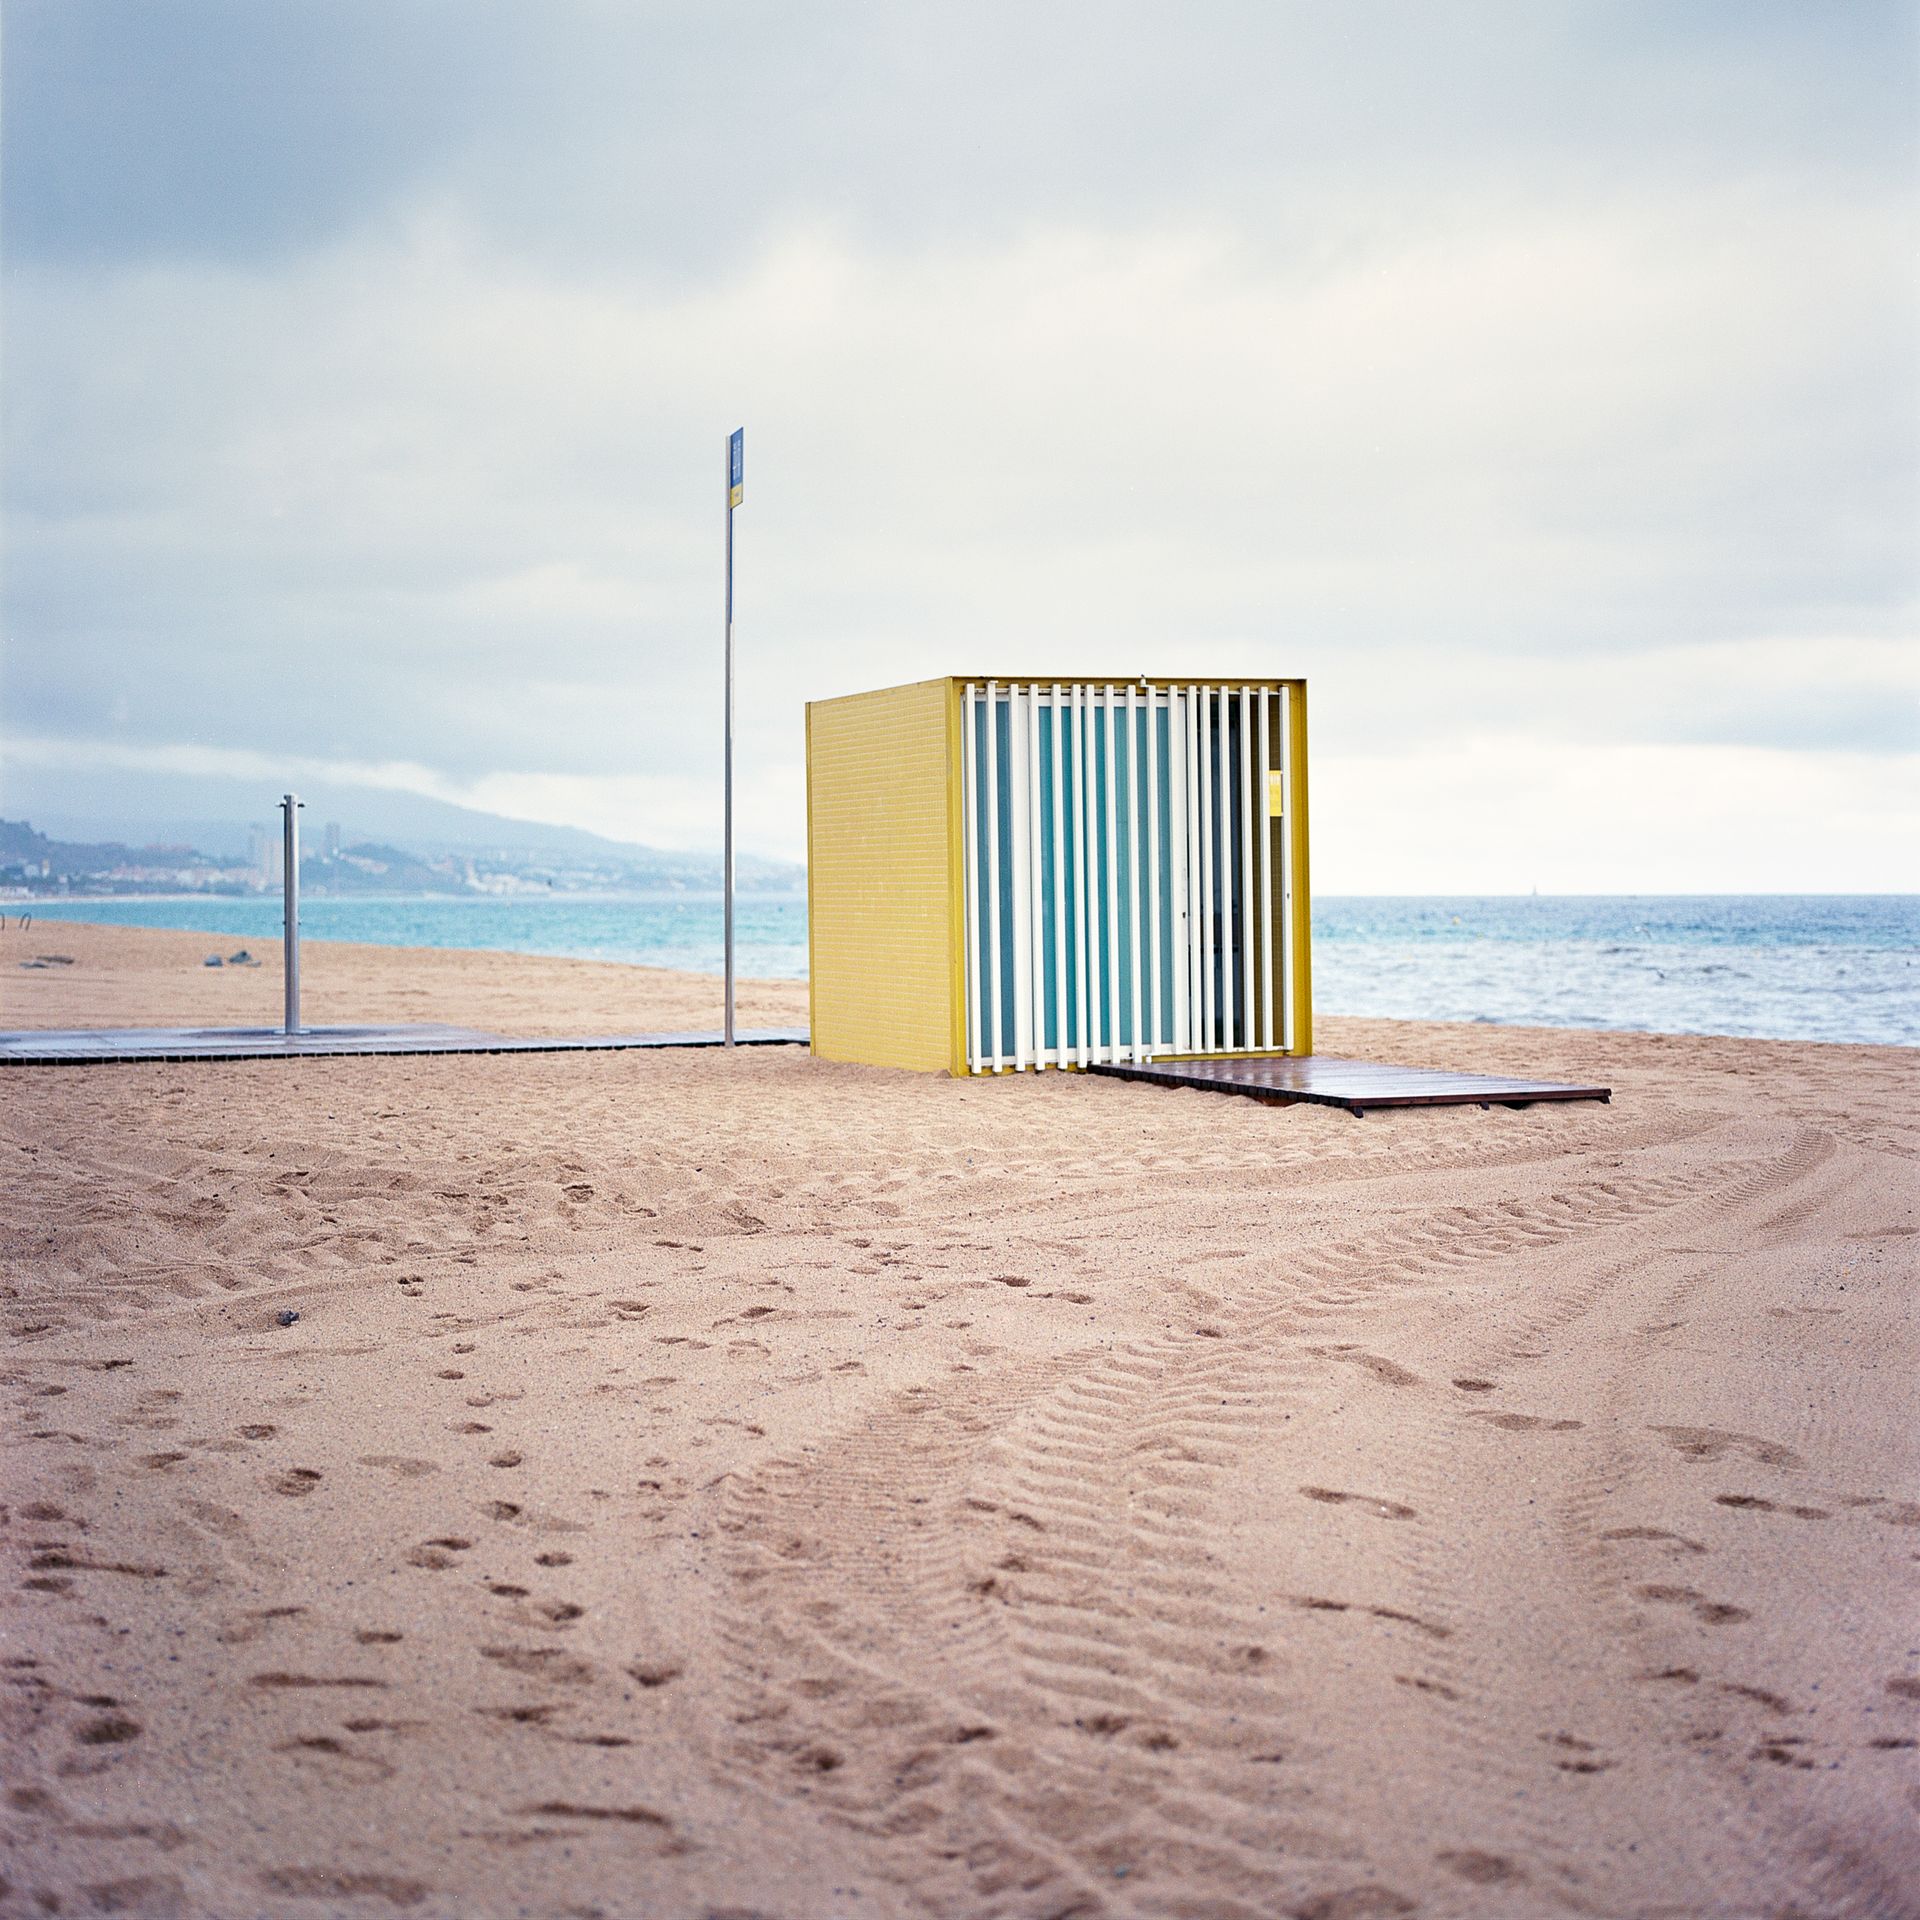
x,y
1276,795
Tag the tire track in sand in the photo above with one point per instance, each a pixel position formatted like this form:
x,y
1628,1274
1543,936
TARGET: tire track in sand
x,y
1620,1594
1025,1705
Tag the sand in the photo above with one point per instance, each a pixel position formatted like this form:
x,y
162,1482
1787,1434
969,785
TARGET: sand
x,y
704,1485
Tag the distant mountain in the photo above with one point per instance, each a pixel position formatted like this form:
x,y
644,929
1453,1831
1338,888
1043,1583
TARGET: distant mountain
x,y
41,864
215,814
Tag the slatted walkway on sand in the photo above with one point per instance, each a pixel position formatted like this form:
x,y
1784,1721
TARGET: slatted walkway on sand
x,y
97,1046
1356,1085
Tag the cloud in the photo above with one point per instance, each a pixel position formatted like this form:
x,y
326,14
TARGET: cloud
x,y
583,134
654,809
1518,384
1498,814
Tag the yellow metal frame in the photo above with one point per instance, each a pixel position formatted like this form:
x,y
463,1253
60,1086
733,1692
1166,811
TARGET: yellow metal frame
x,y
956,884
1292,812
1301,932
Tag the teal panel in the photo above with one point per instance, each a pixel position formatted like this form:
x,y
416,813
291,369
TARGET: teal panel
x,y
1046,1004
992,747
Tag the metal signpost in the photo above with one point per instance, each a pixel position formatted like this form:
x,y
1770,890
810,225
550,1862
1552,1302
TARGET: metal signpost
x,y
736,470
290,807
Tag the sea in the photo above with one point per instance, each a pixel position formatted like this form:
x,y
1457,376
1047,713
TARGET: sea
x,y
1778,966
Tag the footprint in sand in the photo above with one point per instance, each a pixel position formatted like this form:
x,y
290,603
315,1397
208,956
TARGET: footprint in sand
x,y
399,1464
54,1558
1480,1869
1388,1372
1369,1901
521,1716
1715,1613
1715,1443
1384,1509
436,1555
110,1730
1581,1754
305,1682
1527,1423
1761,1696
653,1673
296,1483
1654,1534
1753,1503
542,1663
254,1625
321,1883
1316,1603
334,1759
154,1893
1890,1513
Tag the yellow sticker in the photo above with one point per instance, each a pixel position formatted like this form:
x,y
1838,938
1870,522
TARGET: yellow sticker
x,y
1276,795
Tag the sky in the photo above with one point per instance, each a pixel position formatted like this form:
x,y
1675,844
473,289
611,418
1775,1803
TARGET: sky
x,y
1539,380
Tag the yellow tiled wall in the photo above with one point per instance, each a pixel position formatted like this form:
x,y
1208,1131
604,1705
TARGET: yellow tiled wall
x,y
881,835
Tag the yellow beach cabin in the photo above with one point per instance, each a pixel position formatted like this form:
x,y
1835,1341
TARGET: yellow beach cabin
x,y
1006,876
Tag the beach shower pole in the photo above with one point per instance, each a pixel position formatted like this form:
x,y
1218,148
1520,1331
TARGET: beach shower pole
x,y
736,469
290,807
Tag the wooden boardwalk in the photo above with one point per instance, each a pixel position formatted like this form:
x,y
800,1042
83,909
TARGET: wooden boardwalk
x,y
1356,1085
100,1046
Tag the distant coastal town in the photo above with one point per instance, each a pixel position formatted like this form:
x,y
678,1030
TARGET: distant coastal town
x,y
35,866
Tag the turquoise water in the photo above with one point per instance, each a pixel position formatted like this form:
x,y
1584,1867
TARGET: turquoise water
x,y
651,930
1784,966
1776,966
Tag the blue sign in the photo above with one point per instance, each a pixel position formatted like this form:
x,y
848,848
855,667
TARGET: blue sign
x,y
736,466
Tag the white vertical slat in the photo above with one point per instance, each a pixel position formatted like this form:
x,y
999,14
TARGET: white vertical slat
x,y
1131,717
1264,823
1082,892
1196,972
1286,864
1037,881
1229,772
970,815
1020,847
1019,894
1177,816
1060,923
1096,898
1112,799
1247,982
1019,901
993,867
1089,879
1153,869
1207,1024
1223,868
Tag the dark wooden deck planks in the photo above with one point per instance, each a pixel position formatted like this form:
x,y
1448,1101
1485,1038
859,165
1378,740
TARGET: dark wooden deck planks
x,y
100,1046
1356,1085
